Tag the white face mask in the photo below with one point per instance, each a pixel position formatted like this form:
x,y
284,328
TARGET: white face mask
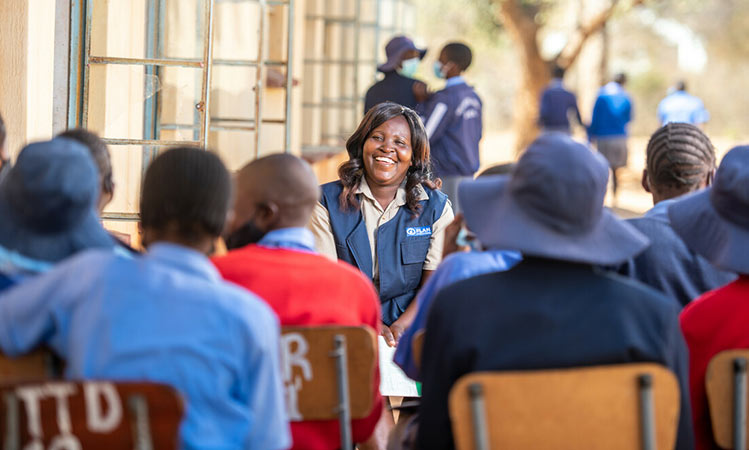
x,y
409,67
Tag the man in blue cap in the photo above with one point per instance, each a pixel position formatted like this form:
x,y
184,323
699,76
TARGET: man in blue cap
x,y
715,224
48,209
398,85
555,308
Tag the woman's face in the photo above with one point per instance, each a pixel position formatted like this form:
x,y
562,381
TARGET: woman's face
x,y
387,152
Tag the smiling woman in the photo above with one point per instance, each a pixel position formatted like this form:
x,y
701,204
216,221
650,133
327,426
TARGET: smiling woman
x,y
385,215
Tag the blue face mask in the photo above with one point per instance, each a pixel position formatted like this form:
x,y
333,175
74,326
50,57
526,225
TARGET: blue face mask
x,y
409,67
438,70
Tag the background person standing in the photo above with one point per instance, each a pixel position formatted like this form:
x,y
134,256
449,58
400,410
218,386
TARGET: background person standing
x,y
557,105
680,106
608,127
398,86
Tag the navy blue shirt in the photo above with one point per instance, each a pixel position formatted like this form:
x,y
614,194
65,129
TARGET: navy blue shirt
x,y
452,118
668,265
577,316
393,88
556,105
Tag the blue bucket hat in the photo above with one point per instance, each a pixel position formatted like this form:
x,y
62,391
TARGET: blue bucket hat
x,y
394,51
47,202
551,206
715,221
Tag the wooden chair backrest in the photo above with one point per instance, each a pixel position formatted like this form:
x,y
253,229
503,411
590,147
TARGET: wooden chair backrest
x,y
95,414
417,346
37,365
719,387
579,408
309,370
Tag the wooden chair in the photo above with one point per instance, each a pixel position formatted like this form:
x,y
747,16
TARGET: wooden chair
x,y
417,346
725,383
90,414
329,374
40,364
625,406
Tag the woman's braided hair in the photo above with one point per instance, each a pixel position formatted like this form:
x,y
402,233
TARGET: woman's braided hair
x,y
679,156
352,171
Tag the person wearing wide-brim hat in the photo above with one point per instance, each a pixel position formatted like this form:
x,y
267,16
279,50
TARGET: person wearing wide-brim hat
x,y
556,308
47,209
398,85
715,224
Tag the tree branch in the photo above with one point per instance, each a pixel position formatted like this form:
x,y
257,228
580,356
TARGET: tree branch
x,y
574,46
521,26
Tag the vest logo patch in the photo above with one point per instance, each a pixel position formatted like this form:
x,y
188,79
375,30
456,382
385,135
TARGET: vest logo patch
x,y
419,231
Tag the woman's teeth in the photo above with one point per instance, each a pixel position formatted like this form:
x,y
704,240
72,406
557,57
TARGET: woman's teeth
x,y
384,160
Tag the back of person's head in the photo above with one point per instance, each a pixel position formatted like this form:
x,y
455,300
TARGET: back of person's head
x,y
680,159
100,154
557,71
186,197
459,54
620,78
681,85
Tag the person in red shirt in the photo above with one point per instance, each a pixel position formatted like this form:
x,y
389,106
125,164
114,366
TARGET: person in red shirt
x,y
715,224
273,255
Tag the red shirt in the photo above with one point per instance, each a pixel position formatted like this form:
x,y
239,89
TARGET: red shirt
x,y
716,321
309,289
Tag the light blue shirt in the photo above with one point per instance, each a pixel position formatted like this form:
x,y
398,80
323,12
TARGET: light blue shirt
x,y
300,239
165,317
455,267
454,81
682,107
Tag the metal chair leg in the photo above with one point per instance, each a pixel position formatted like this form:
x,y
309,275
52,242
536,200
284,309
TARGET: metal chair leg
x,y
739,404
480,435
344,411
138,407
647,413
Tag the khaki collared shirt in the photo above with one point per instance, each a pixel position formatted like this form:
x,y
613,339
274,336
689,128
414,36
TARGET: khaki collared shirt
x,y
374,216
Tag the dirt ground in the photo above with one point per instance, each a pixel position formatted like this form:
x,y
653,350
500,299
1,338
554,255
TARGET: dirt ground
x,y
496,148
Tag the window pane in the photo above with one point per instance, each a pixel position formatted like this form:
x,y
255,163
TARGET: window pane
x,y
118,94
120,28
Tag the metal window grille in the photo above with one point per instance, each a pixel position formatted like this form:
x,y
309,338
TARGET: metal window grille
x,y
155,61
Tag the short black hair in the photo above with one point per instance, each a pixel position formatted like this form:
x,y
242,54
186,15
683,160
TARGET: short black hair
x,y
681,85
679,157
557,71
458,53
99,152
2,131
620,78
189,189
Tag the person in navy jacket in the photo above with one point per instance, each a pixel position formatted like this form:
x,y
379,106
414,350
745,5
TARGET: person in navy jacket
x,y
557,105
385,215
398,85
452,119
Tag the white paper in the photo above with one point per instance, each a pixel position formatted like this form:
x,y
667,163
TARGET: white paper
x,y
393,382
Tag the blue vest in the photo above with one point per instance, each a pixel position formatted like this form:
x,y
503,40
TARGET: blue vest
x,y
402,246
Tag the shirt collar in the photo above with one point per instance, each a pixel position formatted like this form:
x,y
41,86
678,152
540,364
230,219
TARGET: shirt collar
x,y
611,88
556,82
295,238
184,259
660,211
12,262
454,81
400,196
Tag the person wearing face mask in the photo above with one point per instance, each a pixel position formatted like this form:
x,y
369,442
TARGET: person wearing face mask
x,y
452,119
385,215
399,85
273,255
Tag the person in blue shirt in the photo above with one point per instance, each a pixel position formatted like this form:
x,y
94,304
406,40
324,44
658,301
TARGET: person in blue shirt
x,y
398,85
453,121
47,209
680,106
166,316
680,160
608,126
557,105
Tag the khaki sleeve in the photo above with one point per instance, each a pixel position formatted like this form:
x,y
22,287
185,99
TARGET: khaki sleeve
x,y
434,255
319,225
